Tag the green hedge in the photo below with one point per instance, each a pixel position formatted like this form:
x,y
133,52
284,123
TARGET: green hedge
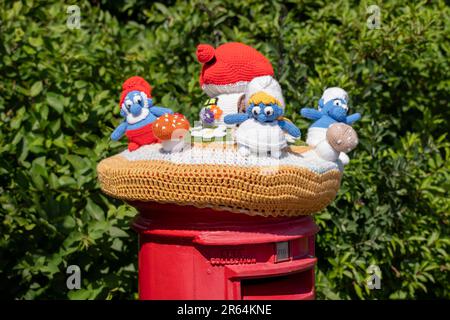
x,y
59,92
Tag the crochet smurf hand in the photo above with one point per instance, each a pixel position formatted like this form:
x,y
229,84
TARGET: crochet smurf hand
x,y
235,118
311,113
119,131
290,128
158,111
352,118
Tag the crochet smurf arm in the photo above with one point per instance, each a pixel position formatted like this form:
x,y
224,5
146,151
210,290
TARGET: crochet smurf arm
x,y
352,118
159,111
311,113
290,128
119,131
235,118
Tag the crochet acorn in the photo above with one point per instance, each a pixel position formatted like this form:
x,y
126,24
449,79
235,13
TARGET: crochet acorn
x,y
342,137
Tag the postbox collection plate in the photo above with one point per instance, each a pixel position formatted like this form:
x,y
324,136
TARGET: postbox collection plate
x,y
282,251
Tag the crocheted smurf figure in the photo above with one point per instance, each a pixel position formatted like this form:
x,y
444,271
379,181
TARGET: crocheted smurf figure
x,y
262,126
136,106
332,109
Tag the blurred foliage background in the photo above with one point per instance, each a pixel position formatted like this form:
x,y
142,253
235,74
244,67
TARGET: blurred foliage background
x,y
59,94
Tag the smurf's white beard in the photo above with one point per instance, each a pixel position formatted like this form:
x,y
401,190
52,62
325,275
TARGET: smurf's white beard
x,y
132,119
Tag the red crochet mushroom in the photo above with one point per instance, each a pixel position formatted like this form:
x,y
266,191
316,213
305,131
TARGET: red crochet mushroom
x,y
171,130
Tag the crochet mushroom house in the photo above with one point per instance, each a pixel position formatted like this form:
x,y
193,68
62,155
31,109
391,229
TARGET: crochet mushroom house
x,y
245,106
226,72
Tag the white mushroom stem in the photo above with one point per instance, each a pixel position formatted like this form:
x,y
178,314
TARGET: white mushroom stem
x,y
174,145
325,151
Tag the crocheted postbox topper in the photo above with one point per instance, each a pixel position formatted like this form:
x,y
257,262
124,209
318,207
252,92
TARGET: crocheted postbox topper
x,y
245,96
229,67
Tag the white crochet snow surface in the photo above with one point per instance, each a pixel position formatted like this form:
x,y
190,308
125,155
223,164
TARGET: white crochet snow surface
x,y
230,156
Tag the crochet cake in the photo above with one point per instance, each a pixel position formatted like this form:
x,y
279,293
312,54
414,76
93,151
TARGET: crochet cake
x,y
242,156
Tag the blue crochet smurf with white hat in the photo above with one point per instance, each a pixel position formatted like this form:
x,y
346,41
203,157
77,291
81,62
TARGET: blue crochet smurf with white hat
x,y
332,109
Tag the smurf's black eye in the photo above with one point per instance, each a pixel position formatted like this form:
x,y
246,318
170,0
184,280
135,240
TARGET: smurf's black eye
x,y
268,111
128,104
256,111
337,103
137,99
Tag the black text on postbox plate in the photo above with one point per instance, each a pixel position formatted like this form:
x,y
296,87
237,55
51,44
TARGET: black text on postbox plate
x,y
282,251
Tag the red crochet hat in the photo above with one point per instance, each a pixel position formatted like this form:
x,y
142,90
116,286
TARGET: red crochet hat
x,y
135,84
231,63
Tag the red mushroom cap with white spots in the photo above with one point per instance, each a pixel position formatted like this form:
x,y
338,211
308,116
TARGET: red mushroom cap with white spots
x,y
171,126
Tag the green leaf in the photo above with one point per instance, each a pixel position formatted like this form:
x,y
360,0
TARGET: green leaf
x,y
55,101
36,88
94,210
80,294
36,42
38,167
66,181
117,233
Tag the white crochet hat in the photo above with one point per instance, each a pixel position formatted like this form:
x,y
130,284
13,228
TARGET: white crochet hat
x,y
334,93
265,84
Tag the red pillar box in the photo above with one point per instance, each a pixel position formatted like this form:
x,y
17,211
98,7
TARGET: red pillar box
x,y
191,253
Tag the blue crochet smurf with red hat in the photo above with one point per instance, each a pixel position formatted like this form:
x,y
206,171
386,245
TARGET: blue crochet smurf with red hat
x,y
136,106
